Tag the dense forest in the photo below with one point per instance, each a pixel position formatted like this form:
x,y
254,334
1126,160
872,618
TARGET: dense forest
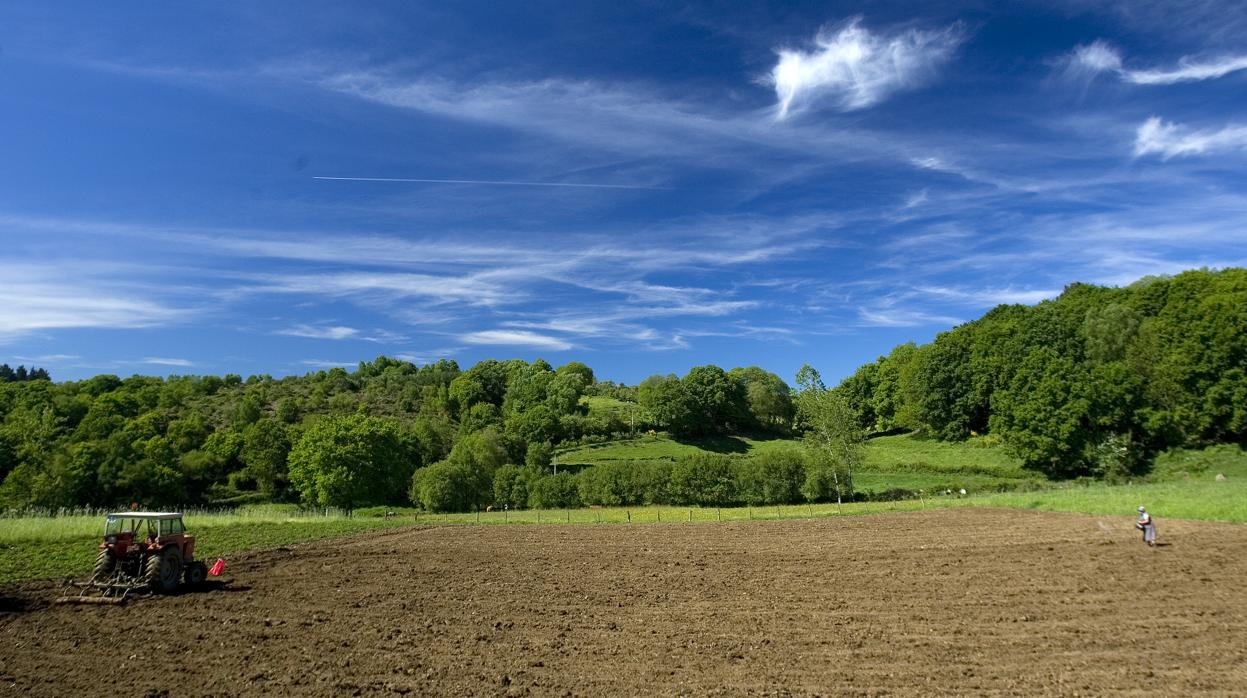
x,y
339,438
1094,382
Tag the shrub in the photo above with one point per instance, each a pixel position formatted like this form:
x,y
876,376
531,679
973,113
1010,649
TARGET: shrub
x,y
773,477
553,492
705,479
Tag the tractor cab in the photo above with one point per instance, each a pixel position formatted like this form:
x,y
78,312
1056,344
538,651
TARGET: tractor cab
x,y
147,531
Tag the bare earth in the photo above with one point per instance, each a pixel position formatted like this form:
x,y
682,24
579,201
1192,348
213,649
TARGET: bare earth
x,y
958,602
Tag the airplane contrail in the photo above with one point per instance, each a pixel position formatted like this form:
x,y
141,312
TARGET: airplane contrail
x,y
489,181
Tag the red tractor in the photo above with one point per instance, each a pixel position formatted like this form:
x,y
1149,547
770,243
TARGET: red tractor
x,y
141,549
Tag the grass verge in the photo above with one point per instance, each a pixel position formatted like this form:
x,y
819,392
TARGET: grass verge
x,y
65,546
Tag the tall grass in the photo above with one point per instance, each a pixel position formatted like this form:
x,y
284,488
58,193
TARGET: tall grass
x,y
66,524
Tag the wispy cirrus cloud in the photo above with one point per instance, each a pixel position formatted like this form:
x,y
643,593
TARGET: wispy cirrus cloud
x,y
1101,57
164,361
1169,140
516,338
979,297
314,332
328,363
887,315
854,68
1188,70
487,182
38,298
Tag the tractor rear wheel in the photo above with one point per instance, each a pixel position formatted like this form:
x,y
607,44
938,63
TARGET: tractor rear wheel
x,y
105,564
195,574
162,570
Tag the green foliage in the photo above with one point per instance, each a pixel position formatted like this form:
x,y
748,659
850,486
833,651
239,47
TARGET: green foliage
x,y
19,374
718,402
704,479
833,435
350,461
553,492
772,477
539,455
668,403
447,486
630,483
511,485
264,451
767,396
1184,464
1095,382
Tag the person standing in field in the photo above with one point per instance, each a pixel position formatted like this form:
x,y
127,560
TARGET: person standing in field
x,y
1146,525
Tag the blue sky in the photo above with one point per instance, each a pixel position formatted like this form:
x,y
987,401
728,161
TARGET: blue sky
x,y
281,187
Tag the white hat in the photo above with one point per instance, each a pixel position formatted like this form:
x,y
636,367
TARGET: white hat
x,y
1141,510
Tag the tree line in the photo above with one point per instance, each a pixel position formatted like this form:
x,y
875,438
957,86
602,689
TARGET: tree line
x,y
1095,382
388,432
8,374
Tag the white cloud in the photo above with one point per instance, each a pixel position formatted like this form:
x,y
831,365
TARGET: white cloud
x,y
854,68
1173,140
902,317
470,289
916,199
1187,71
162,361
331,332
49,358
1096,57
37,299
629,119
326,363
1101,57
516,338
989,296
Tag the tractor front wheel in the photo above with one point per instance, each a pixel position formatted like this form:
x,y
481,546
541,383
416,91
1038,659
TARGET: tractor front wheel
x,y
162,571
195,574
105,564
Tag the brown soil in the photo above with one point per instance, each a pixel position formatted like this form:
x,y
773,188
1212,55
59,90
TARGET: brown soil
x,y
959,602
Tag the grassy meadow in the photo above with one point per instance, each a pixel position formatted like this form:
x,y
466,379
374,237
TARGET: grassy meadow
x,y
36,547
894,462
1183,485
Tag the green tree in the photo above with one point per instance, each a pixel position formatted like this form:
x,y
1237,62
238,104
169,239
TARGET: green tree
x,y
264,452
704,479
833,435
668,404
768,397
1045,414
350,462
891,401
772,477
718,402
1109,330
446,486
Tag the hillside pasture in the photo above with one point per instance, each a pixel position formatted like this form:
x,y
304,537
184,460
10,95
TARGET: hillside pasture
x,y
897,462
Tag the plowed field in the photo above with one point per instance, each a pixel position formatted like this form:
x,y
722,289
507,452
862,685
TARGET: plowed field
x,y
956,601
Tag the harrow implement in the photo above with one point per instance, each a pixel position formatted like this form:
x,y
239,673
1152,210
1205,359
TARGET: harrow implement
x,y
112,590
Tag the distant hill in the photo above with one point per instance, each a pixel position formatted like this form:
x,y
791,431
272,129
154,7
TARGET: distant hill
x,y
1094,382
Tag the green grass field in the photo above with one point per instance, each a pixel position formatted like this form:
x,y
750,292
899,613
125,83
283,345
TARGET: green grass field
x,y
892,462
36,547
1183,485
